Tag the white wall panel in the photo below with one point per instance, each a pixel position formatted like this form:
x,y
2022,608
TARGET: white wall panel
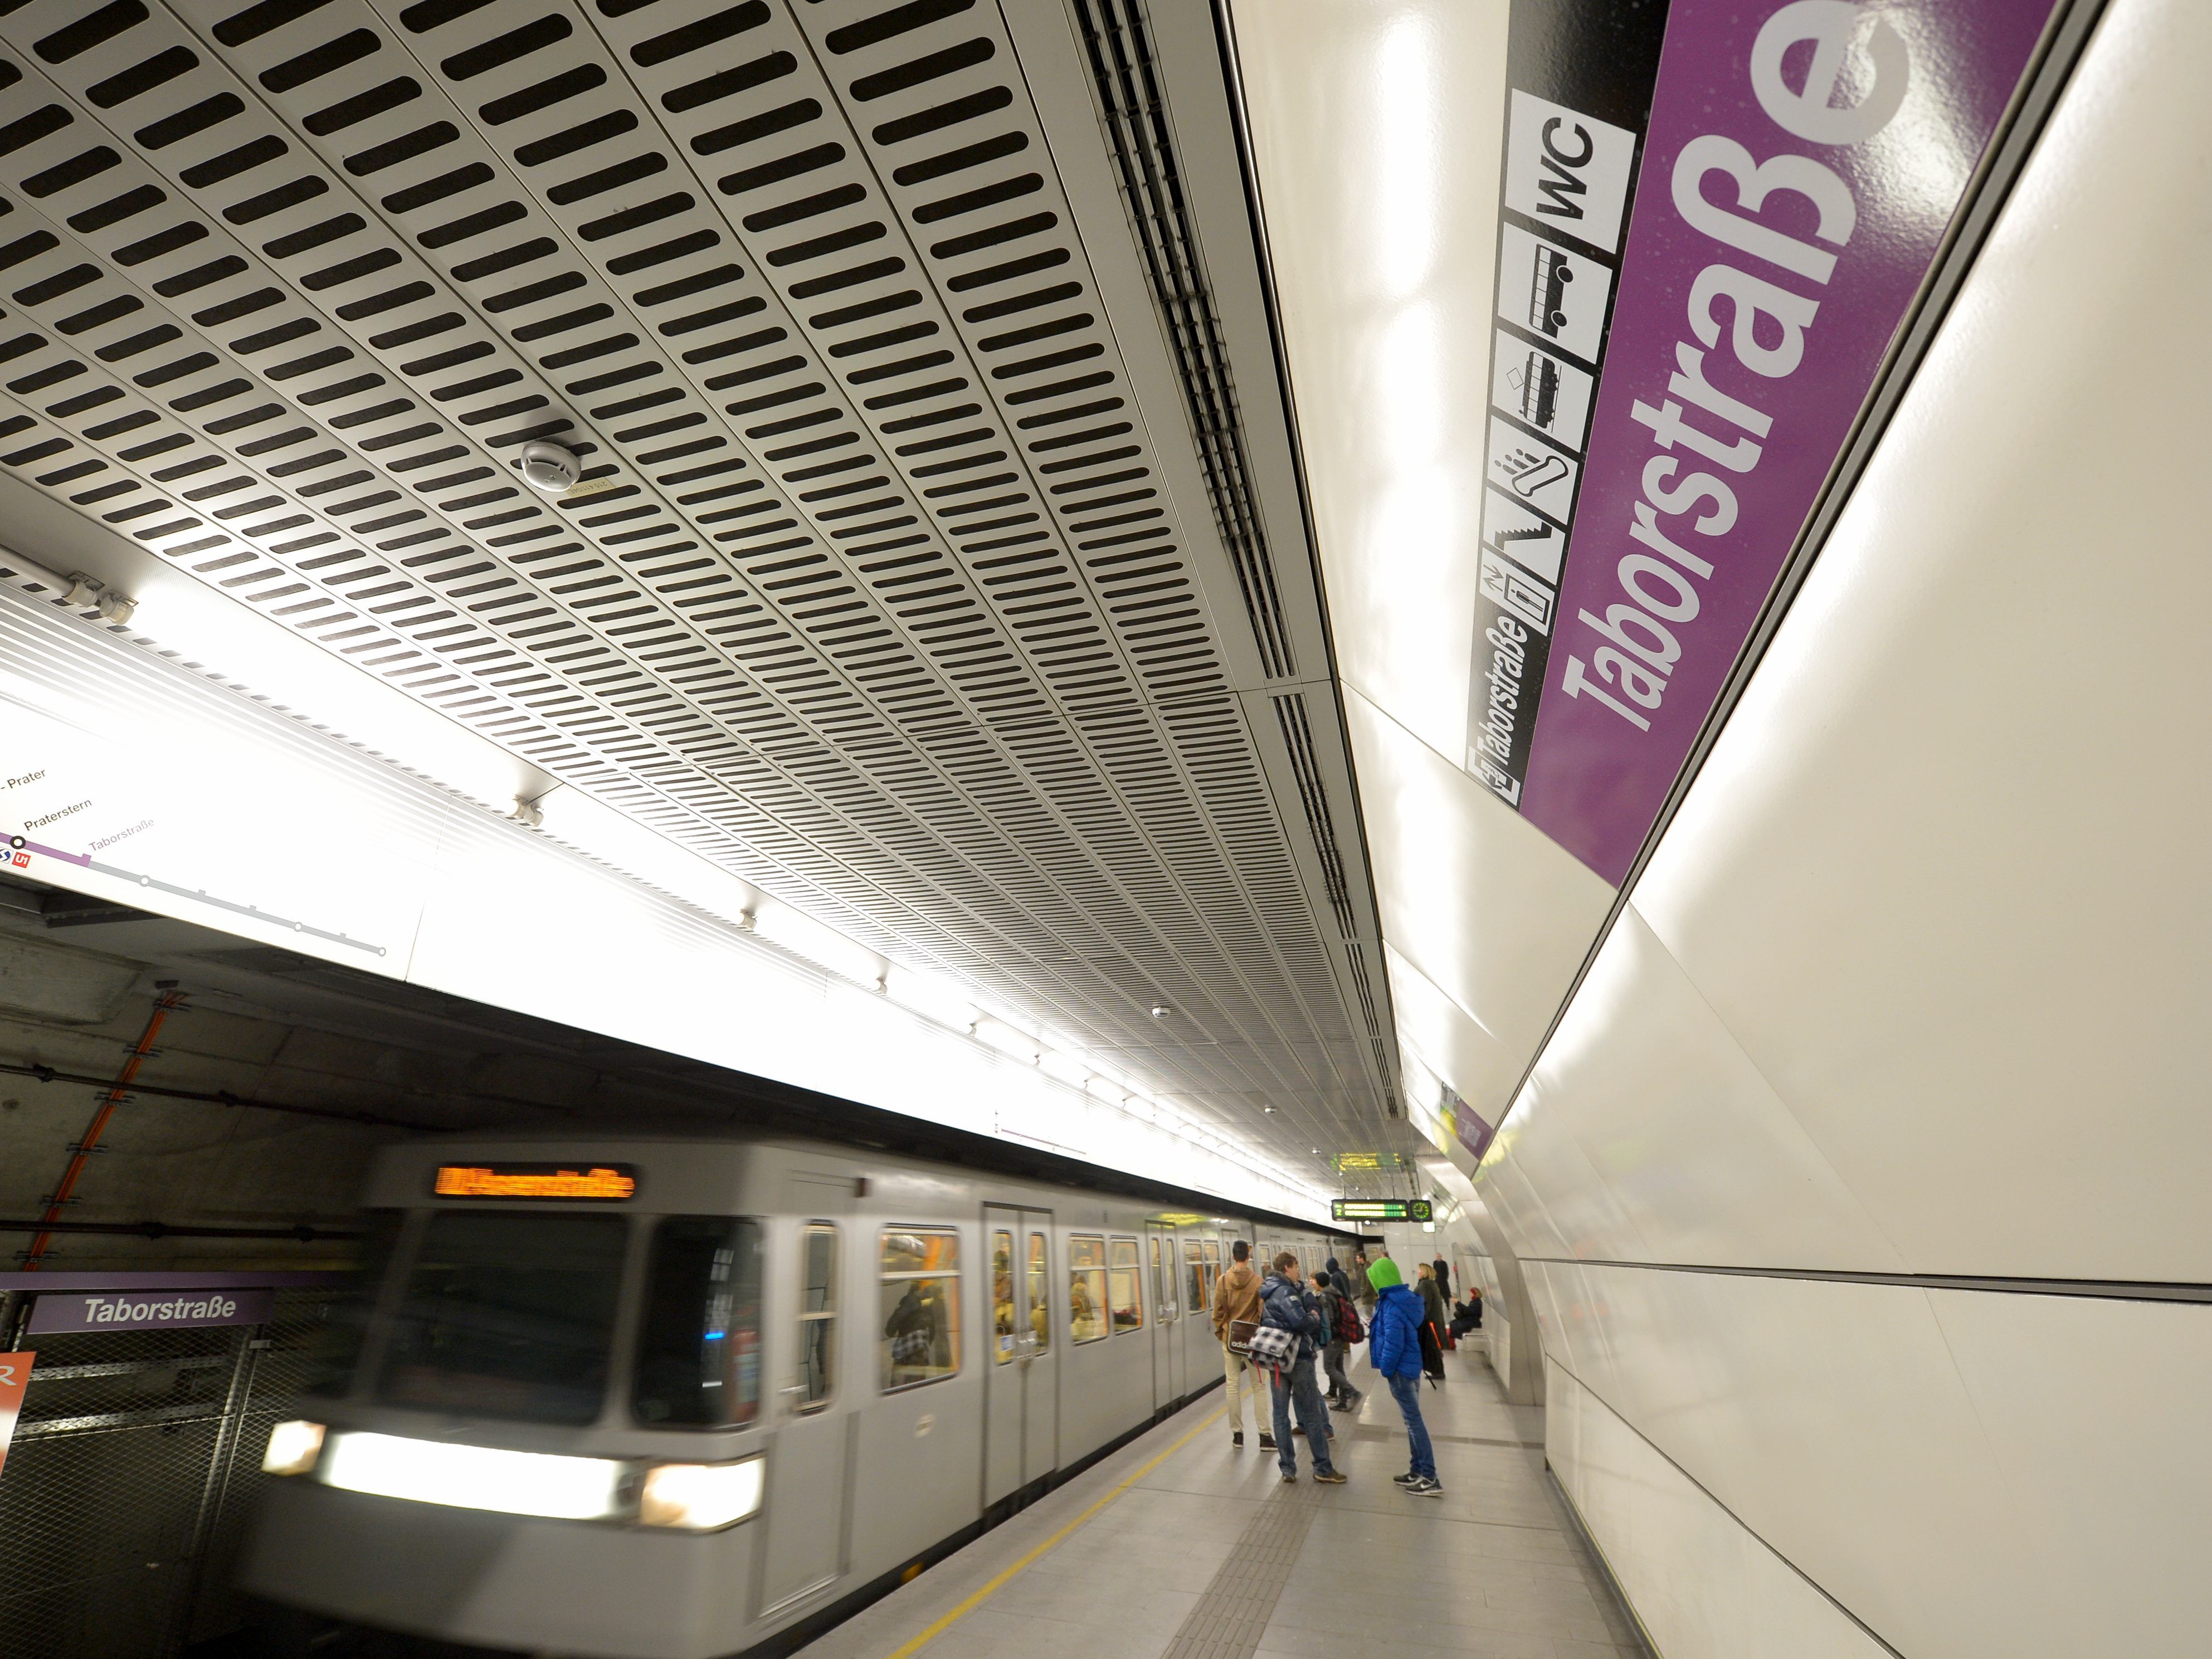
x,y
1520,1211
2095,1410
1577,1200
1944,876
1495,915
1700,1159
1447,1039
1830,1418
1701,1584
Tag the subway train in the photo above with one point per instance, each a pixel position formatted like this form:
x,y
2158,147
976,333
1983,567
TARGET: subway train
x,y
675,1398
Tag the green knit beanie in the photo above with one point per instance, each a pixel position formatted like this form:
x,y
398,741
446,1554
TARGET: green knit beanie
x,y
1383,1273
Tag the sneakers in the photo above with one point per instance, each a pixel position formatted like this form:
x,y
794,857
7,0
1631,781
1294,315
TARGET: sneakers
x,y
1267,1443
1291,1479
1404,1479
1236,1438
1333,1478
1422,1486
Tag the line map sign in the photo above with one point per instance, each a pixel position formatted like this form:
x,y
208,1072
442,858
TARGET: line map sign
x,y
1715,217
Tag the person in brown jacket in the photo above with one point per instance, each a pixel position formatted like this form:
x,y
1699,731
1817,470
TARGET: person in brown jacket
x,y
1237,1295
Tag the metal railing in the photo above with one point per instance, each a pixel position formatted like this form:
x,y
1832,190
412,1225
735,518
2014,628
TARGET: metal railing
x,y
134,1469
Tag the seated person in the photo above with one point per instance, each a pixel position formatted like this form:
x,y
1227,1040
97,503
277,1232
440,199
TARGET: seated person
x,y
1468,1316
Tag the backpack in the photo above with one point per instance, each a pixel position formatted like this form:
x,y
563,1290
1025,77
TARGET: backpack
x,y
1347,1329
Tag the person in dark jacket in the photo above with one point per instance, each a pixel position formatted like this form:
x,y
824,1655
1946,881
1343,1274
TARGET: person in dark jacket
x,y
1394,1345
1444,1276
1468,1317
1433,1306
1338,1277
1284,1305
1342,1396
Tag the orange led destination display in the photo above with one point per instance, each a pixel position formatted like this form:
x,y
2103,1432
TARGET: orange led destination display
x,y
602,1181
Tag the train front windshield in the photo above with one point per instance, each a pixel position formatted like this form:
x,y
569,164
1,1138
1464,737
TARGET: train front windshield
x,y
513,1315
508,1315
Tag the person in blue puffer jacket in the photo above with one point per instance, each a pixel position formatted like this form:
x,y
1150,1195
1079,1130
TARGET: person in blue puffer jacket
x,y
1394,1348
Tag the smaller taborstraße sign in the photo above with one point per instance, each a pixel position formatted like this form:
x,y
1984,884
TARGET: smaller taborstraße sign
x,y
149,1310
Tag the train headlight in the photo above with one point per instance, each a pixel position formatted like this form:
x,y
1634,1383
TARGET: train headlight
x,y
292,1448
700,1497
475,1477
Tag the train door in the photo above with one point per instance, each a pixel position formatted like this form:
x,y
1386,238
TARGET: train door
x,y
1168,1364
1020,1414
814,1397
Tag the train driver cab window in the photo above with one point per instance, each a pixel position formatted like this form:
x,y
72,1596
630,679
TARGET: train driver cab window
x,y
508,1315
1086,1287
1128,1302
817,1315
698,1337
921,1306
1003,1333
344,1331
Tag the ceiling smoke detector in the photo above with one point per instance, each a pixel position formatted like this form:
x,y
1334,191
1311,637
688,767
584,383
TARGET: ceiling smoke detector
x,y
550,469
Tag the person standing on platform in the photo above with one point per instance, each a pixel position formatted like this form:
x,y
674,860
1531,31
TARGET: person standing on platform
x,y
1236,1296
1394,1345
1342,1396
1360,1288
1290,1307
1443,1278
1338,1279
1433,1308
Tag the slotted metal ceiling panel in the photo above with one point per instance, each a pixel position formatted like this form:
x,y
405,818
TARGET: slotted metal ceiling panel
x,y
873,589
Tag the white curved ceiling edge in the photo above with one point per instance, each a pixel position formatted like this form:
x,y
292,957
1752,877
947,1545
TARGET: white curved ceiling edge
x,y
1375,133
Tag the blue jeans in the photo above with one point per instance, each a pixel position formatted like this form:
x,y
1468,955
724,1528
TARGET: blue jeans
x,y
1313,1417
1407,1391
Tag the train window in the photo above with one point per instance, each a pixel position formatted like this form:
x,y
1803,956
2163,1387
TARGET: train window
x,y
1040,1270
1164,1289
1211,1249
1127,1298
338,1344
1193,1276
698,1338
818,1316
508,1315
1003,1321
920,1305
1086,1287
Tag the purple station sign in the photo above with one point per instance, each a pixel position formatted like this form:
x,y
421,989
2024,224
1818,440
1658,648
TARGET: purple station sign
x,y
1667,405
142,1310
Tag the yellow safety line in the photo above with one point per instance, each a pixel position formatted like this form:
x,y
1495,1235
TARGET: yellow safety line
x,y
1010,1573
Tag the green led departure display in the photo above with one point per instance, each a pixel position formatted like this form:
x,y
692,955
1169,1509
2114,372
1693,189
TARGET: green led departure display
x,y
1381,1209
